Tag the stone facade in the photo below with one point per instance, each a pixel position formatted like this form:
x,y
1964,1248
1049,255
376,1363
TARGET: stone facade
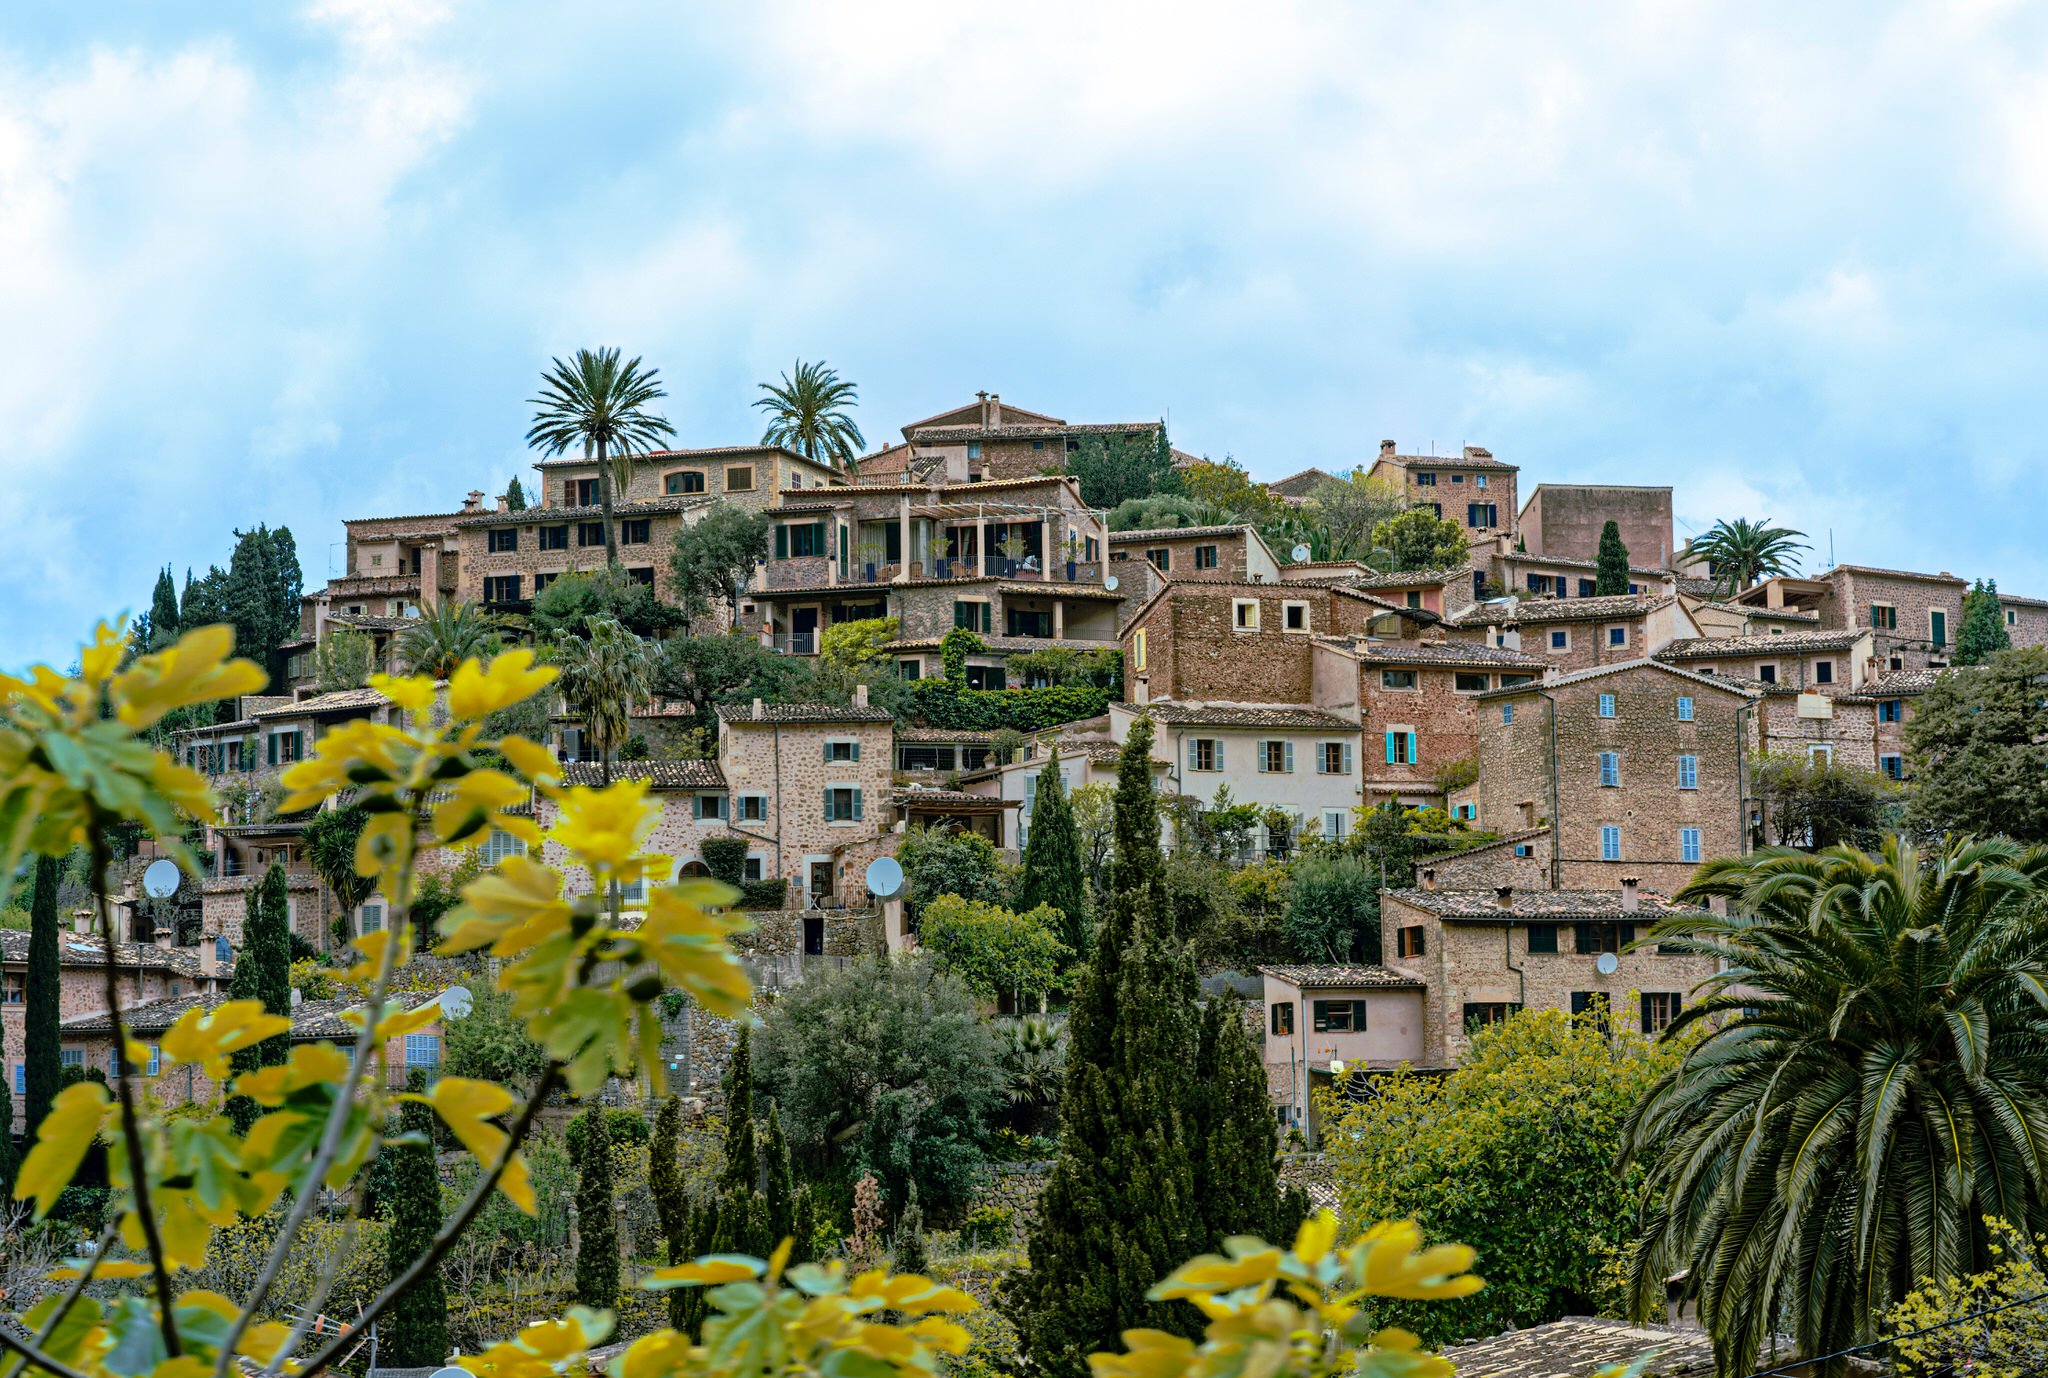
x,y
1312,1018
1893,699
1473,489
1914,617
1233,554
1571,634
1219,642
1829,663
547,542
779,759
1521,860
2026,620
1566,519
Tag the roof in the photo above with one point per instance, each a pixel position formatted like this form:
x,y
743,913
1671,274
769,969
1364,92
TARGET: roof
x,y
81,950
1473,654
554,516
974,408
1175,533
1718,648
341,700
1402,578
930,796
1513,839
1899,684
1724,683
2022,601
943,434
1004,644
364,622
1523,557
742,714
868,490
1756,614
1580,1346
1233,715
1302,484
1512,612
1942,578
1471,459
705,452
408,517
661,775
1055,588
1335,977
665,708
976,735
1485,905
322,1018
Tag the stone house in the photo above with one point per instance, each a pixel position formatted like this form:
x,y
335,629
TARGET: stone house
x,y
753,477
1320,1020
695,805
509,558
1913,618
1637,769
1472,488
940,752
1893,698
988,439
810,785
1298,488
1567,518
1233,554
2026,619
1302,761
1482,955
1826,662
1509,571
1417,705
1089,760
1438,591
1718,620
1577,633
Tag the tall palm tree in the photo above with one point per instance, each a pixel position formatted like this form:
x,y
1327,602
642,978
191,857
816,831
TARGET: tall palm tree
x,y
600,404
1870,1083
447,634
1742,552
807,413
605,675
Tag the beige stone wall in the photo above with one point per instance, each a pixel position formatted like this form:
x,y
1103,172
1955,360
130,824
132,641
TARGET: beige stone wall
x,y
1909,644
1588,643
478,562
1444,720
1850,730
787,764
1488,868
2026,623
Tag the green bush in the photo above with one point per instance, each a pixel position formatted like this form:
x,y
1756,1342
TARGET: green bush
x,y
943,703
725,858
764,894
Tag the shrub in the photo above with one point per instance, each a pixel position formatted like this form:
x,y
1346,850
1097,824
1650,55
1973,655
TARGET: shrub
x,y
772,893
996,951
725,858
1333,910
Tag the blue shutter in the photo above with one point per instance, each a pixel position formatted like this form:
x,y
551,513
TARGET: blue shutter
x,y
1192,755
1219,753
1347,758
856,751
827,748
856,806
1390,748
1412,758
1287,757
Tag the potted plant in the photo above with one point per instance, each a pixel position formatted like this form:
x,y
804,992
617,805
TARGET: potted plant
x,y
1008,547
944,560
872,551
1074,549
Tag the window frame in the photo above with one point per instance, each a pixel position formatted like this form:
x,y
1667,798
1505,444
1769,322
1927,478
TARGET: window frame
x,y
1287,611
1690,849
1560,639
1685,708
746,471
1610,769
1239,607
1688,771
1389,682
1610,833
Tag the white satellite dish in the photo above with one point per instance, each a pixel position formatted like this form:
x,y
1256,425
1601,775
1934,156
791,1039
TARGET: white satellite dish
x,y
1301,552
456,1001
160,881
885,878
1607,964
1111,582
450,1373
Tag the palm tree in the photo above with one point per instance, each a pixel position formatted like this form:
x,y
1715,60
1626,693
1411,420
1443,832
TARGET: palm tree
x,y
1870,1082
605,675
807,413
1743,552
446,635
600,404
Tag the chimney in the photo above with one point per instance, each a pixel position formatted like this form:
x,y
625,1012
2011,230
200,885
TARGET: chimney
x,y
504,504
1478,452
1429,878
297,996
860,696
760,711
474,502
1629,897
81,921
1386,449
164,938
995,411
209,955
1504,896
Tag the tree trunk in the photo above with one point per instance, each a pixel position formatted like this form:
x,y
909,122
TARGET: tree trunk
x,y
604,497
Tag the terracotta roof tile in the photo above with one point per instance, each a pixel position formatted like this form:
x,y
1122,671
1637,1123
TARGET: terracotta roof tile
x,y
1723,682
742,714
1235,715
1335,977
1512,612
1485,905
1473,654
931,796
662,775
1771,643
340,700
1176,533
1580,1346
555,516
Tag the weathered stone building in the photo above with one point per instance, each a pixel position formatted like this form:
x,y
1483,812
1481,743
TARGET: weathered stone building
x,y
1232,554
1472,488
1571,634
1567,518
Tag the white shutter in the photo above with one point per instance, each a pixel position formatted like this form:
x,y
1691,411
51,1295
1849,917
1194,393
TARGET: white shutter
x,y
1347,758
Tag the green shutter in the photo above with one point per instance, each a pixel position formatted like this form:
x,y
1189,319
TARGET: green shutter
x,y
781,542
1358,1016
856,806
270,745
856,751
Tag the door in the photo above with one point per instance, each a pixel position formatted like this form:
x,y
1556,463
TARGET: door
x,y
814,937
803,631
821,881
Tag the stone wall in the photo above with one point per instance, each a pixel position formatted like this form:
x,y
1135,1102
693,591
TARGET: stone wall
x,y
796,829
479,562
1913,599
1195,653
1445,722
1566,519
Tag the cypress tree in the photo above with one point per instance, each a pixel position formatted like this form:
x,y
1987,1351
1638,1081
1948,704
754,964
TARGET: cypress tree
x,y
1118,1210
250,595
779,1198
515,496
1612,575
739,1225
1240,1192
597,1223
42,1042
419,1318
263,971
1983,632
163,611
910,1253
671,1201
1052,859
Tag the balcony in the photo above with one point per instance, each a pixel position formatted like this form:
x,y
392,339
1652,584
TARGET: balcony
x,y
796,643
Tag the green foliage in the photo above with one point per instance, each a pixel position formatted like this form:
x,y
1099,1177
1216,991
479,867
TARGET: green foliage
x,y
263,971
911,1254
1164,511
491,1043
515,496
1611,569
260,595
597,1219
1342,519
771,893
418,1333
996,951
1988,1324
1978,750
562,609
725,857
1245,927
312,980
808,412
343,661
605,674
944,703
1065,665
1235,1135
938,861
1817,803
447,634
671,1199
954,648
715,555
599,405
1533,1112
1228,488
16,918
884,1067
1333,909
1419,539
1033,1056
42,1038
1114,468
1867,1088
852,645
1004,743
330,849
163,613
1983,632
1052,872
1743,552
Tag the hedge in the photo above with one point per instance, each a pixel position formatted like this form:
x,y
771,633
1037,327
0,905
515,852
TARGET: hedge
x,y
941,703
763,894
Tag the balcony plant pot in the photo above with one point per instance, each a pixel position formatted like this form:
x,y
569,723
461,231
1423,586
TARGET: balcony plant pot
x,y
1073,571
871,571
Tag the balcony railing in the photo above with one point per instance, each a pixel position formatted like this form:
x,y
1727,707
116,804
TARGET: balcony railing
x,y
797,643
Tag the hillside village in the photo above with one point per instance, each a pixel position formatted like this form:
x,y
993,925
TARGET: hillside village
x,y
1585,750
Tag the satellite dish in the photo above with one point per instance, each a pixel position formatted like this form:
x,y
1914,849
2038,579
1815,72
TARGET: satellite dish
x,y
455,1003
1111,582
885,878
450,1373
160,881
1336,1067
1301,552
1607,964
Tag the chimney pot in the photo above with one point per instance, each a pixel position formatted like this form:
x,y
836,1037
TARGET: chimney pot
x,y
760,710
209,955
1630,895
504,504
1386,447
1478,452
1504,896
1429,878
860,696
164,938
473,501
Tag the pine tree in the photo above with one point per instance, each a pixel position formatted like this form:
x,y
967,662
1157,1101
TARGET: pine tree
x,y
740,1222
671,1201
43,1041
1612,574
910,1254
597,1221
418,1327
1983,633
1118,1209
779,1198
1240,1191
1052,859
515,496
263,971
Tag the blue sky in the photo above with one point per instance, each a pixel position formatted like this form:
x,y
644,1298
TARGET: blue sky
x,y
292,263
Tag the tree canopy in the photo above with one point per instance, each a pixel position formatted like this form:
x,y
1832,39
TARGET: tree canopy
x,y
600,405
1983,633
1114,467
714,556
1743,552
1419,539
810,412
1977,749
1611,574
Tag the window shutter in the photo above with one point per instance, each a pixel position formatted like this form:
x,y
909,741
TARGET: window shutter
x,y
1390,748
1412,759
1628,934
1287,757
828,806
1646,1015
781,542
827,748
1321,1011
856,751
856,806
1276,1018
1192,756
1358,1016
1219,753
818,546
271,745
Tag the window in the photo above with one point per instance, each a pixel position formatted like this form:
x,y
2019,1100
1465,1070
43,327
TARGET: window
x,y
1276,758
1205,557
2012,619
910,669
1607,705
499,845
1294,617
1401,746
1593,1004
1457,478
1560,640
1884,617
1205,753
1617,636
752,869
1660,1007
423,1051
1397,679
1586,587
1138,640
842,751
501,588
1688,772
1823,672
971,614
1479,480
1610,769
1338,1016
286,747
16,990
371,918
1283,1020
842,804
987,677
800,540
1610,843
1684,708
1937,627
554,538
1161,559
1767,673
711,806
1480,1013
1244,614
501,539
1436,509
739,478
71,1057
1510,681
1408,941
1468,681
753,808
1333,825
1481,514
1589,939
974,449
1333,758
541,581
1891,710
1543,937
638,531
1689,844
1425,480
684,481
1820,753
1894,766
589,534
20,1079
581,492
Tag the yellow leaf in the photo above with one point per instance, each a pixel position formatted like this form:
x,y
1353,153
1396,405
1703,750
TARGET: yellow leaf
x,y
407,1020
261,1144
607,828
513,907
714,1269
475,691
264,1341
1387,1263
112,1270
66,1133
518,1185
207,1038
184,1230
1316,1235
195,670
414,693
184,1366
659,1355
530,758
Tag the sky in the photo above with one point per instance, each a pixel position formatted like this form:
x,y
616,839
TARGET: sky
x,y
293,263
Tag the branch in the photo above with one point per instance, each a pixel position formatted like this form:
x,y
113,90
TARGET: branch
x,y
35,1356
131,1128
449,1233
76,1291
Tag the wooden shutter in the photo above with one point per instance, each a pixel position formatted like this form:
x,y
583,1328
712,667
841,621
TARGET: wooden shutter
x,y
1287,757
1358,1016
1219,753
1320,1010
856,806
1390,748
1346,753
1412,759
270,745
856,751
1193,756
781,542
